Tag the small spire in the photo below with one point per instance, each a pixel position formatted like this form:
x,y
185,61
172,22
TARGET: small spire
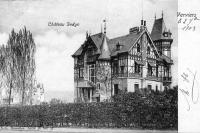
x,y
104,26
87,35
162,13
101,29
90,32
155,16
142,9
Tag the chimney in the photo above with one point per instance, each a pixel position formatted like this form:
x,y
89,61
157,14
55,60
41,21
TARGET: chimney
x,y
144,23
134,30
141,22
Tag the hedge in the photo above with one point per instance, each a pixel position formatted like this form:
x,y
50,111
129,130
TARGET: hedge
x,y
125,111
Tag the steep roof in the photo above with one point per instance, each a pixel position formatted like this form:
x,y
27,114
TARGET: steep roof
x,y
96,38
78,52
158,29
105,50
126,43
107,47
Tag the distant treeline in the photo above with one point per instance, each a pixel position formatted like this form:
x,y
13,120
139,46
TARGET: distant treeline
x,y
156,110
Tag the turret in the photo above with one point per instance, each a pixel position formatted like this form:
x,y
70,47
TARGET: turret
x,y
162,37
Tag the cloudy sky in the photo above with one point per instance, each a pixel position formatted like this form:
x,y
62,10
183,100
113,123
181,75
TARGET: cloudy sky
x,y
56,44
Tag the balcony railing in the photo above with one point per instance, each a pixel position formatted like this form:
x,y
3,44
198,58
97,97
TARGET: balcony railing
x,y
138,75
167,79
119,75
152,77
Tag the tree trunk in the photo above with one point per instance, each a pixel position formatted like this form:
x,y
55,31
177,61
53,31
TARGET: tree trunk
x,y
23,89
10,92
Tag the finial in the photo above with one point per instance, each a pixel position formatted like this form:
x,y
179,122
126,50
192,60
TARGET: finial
x,y
86,34
155,16
104,26
89,32
101,29
162,13
142,9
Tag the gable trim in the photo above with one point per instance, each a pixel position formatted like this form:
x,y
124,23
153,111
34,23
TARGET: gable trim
x,y
149,38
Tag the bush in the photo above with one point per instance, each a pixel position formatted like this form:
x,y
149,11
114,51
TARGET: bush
x,y
131,110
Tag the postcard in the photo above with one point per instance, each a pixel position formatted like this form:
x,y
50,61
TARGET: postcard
x,y
99,66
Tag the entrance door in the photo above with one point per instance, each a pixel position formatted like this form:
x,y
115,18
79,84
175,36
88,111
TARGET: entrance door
x,y
136,87
116,89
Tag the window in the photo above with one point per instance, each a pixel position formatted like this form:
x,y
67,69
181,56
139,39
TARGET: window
x,y
115,67
149,70
81,73
122,69
92,73
98,86
137,68
148,50
165,52
156,88
156,70
149,87
165,34
88,94
138,47
76,73
136,87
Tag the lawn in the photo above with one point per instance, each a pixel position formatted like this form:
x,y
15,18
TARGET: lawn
x,y
84,130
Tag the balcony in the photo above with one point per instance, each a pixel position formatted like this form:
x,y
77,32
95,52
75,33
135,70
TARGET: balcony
x,y
137,75
119,75
152,77
167,79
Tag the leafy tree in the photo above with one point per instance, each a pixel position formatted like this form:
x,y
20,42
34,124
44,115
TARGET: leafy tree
x,y
20,64
55,101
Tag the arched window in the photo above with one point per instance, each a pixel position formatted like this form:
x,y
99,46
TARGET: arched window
x,y
138,47
148,50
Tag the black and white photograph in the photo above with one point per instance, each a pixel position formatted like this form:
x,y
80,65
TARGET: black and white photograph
x,y
90,66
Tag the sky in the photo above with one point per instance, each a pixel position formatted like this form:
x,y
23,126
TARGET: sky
x,y
56,44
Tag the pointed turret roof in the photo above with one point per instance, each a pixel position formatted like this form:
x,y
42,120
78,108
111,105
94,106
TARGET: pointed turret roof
x,y
105,51
158,29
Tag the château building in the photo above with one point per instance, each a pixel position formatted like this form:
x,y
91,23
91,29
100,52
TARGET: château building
x,y
137,62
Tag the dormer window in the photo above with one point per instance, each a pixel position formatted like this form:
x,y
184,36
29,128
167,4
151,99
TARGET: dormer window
x,y
118,46
138,47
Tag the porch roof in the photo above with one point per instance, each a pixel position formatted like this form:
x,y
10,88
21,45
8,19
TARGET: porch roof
x,y
84,84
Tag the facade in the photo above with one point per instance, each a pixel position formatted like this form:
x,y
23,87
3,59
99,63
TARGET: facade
x,y
136,62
